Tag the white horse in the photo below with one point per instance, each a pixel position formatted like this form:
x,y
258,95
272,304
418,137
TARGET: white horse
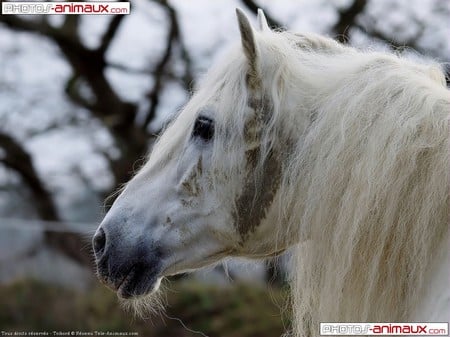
x,y
293,140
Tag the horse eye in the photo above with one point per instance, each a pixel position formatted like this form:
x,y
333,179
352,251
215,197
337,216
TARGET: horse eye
x,y
203,128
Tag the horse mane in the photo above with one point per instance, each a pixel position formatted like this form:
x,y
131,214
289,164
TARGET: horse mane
x,y
365,183
368,186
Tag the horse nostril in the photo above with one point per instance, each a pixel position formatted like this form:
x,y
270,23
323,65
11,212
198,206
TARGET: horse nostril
x,y
99,241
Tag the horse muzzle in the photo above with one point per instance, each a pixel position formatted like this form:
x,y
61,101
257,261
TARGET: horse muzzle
x,y
131,270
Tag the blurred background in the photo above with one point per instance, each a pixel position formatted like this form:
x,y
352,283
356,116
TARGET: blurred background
x,y
82,99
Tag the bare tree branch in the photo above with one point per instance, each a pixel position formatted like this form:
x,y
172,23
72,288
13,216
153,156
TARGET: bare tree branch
x,y
70,26
73,91
110,33
160,67
85,62
117,115
161,70
347,18
16,158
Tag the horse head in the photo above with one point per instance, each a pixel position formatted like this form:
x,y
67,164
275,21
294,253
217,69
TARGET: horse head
x,y
209,186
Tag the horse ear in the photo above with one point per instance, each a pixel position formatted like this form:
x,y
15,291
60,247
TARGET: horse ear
x,y
247,35
262,21
248,44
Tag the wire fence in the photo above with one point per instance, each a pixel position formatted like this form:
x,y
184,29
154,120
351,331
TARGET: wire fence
x,y
49,226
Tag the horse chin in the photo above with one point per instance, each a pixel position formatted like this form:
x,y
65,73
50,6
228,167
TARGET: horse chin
x,y
138,285
143,305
